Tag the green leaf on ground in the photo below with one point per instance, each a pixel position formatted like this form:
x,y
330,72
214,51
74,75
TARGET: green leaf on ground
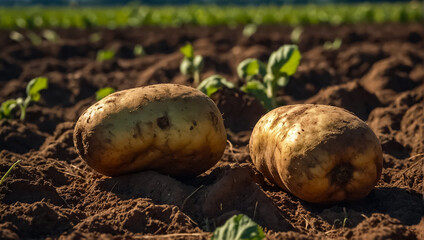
x,y
284,61
239,227
187,50
213,83
103,92
35,86
251,67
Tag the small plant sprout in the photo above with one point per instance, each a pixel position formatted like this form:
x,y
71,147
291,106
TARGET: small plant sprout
x,y
50,35
334,45
239,227
16,36
32,90
281,65
34,38
95,37
192,64
249,30
104,55
296,34
103,92
139,50
213,83
251,69
8,171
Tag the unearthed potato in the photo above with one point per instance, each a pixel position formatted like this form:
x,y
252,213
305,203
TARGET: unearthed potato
x,y
319,153
170,128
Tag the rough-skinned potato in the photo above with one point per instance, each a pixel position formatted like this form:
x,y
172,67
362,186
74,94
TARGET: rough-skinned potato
x,y
170,128
319,153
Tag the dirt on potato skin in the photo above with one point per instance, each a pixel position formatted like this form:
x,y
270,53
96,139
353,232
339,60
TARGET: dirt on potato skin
x,y
378,74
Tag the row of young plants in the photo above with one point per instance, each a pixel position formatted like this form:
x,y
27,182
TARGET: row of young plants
x,y
206,15
261,80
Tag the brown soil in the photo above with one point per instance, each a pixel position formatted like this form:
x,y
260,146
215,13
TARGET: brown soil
x,y
378,74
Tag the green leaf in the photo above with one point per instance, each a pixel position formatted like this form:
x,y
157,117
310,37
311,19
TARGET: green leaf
x,y
103,55
336,44
211,84
259,91
186,67
103,92
198,63
34,38
296,34
35,86
50,35
16,36
139,50
7,107
282,81
187,50
251,67
249,30
239,227
8,171
95,37
284,61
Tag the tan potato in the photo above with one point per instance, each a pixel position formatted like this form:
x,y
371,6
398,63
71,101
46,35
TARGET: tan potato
x,y
170,128
319,153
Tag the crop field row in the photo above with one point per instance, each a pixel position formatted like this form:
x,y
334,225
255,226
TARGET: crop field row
x,y
134,15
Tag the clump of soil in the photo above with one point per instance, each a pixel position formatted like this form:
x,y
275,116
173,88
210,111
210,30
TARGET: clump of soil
x,y
377,74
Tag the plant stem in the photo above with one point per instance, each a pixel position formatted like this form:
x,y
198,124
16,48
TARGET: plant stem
x,y
196,78
8,171
23,112
270,92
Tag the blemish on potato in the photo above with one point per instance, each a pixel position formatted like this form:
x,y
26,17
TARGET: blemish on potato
x,y
111,133
275,122
78,142
163,122
214,119
341,174
138,128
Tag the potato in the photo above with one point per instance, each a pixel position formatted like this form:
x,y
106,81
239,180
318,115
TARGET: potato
x,y
169,128
319,153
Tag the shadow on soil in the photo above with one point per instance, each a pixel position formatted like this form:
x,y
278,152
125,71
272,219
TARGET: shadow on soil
x,y
401,204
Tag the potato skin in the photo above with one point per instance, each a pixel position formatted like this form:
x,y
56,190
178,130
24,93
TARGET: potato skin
x,y
169,128
319,153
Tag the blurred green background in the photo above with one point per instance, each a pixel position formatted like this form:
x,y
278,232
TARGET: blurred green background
x,y
96,13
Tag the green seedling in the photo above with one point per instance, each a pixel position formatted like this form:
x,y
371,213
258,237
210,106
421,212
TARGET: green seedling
x,y
95,37
239,227
213,83
334,45
103,92
32,90
249,30
296,34
281,65
251,69
16,36
34,38
104,55
50,35
8,171
192,64
139,50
